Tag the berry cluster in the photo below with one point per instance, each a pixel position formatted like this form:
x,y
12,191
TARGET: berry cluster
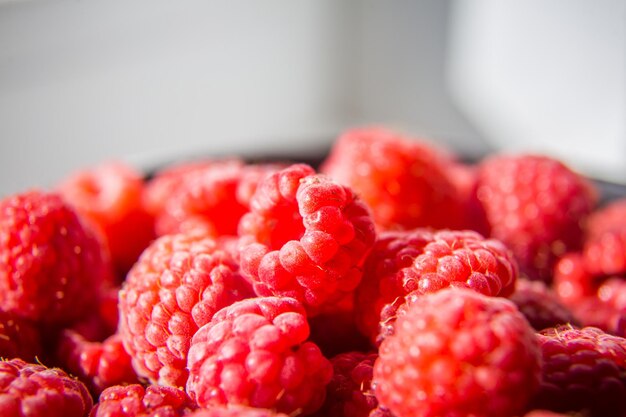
x,y
390,280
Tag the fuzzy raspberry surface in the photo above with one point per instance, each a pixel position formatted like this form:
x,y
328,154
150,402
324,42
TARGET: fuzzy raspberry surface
x,y
138,401
349,393
110,195
583,370
19,338
536,205
236,411
404,180
540,305
457,352
305,237
52,265
425,261
32,390
98,365
255,352
177,285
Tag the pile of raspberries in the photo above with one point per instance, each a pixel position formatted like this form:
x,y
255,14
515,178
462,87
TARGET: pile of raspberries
x,y
391,280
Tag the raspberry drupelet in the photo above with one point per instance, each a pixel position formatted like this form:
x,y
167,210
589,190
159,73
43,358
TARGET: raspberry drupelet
x,y
458,353
177,285
32,390
138,401
537,206
425,261
255,353
584,370
52,265
305,237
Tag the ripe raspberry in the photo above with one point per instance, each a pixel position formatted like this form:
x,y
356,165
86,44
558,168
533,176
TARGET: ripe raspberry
x,y
349,393
235,411
404,180
212,199
19,338
255,353
610,217
541,307
177,285
572,281
606,253
110,196
583,370
426,261
31,390
458,353
536,206
51,265
136,401
98,365
594,312
305,237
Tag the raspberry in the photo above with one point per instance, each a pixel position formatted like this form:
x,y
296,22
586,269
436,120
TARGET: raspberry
x,y
235,411
402,179
541,307
458,353
594,312
606,253
305,237
19,338
349,393
255,353
426,261
31,390
572,281
101,322
610,217
535,205
136,401
583,370
97,364
51,265
175,287
110,196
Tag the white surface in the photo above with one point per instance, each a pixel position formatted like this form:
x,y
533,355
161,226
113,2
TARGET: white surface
x,y
545,76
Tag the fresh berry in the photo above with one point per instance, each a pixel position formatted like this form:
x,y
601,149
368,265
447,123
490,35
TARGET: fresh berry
x,y
572,281
111,197
606,253
458,353
404,180
583,370
136,401
255,353
426,261
236,411
540,305
32,390
610,217
97,364
51,265
305,237
177,285
537,206
349,393
594,312
19,338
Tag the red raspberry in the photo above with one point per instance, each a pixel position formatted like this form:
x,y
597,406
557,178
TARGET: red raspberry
x,y
97,364
349,393
101,322
51,265
136,401
305,237
19,338
177,285
610,217
31,390
212,198
540,305
583,370
255,353
594,312
404,180
458,353
606,253
235,411
572,281
535,205
110,196
426,261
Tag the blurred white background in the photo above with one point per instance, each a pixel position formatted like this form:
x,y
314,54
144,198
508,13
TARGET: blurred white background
x,y
149,81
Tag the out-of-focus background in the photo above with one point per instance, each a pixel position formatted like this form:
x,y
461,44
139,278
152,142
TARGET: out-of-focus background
x,y
150,81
